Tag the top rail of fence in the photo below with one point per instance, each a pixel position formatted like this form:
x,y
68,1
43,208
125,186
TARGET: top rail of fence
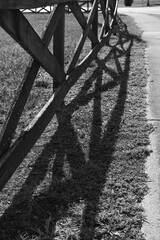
x,y
27,4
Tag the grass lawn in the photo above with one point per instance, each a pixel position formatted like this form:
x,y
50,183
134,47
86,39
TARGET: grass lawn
x,y
85,177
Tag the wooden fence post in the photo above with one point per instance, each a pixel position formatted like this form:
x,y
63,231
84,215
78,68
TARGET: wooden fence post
x,y
107,20
95,23
58,45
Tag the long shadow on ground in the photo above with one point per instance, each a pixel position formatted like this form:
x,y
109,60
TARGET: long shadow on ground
x,y
87,176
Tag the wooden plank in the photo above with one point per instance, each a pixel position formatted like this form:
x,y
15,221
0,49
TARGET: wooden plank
x,y
95,21
58,44
14,23
83,36
83,65
27,4
76,10
113,9
105,26
103,7
23,92
12,159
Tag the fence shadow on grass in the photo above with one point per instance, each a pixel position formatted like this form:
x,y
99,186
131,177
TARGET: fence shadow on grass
x,y
87,177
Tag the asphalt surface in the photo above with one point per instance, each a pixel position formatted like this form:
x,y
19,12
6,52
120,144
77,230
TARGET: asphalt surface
x,y
148,20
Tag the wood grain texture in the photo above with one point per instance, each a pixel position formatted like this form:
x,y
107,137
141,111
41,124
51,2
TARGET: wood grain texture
x,y
95,21
24,89
76,10
83,36
15,155
83,65
105,13
18,27
26,4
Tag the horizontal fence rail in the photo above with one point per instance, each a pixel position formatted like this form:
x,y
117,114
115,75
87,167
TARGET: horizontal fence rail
x,y
14,22
85,7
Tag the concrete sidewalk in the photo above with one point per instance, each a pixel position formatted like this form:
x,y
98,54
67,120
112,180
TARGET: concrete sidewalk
x,y
148,20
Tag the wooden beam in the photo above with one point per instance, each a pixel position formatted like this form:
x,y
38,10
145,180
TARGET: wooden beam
x,y
83,65
27,4
58,44
16,153
105,26
113,11
16,25
24,89
95,20
83,36
76,10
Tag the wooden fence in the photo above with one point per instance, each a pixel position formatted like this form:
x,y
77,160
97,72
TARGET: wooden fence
x,y
45,9
85,7
14,22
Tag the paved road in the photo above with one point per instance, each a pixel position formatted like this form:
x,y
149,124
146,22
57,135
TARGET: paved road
x,y
148,19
